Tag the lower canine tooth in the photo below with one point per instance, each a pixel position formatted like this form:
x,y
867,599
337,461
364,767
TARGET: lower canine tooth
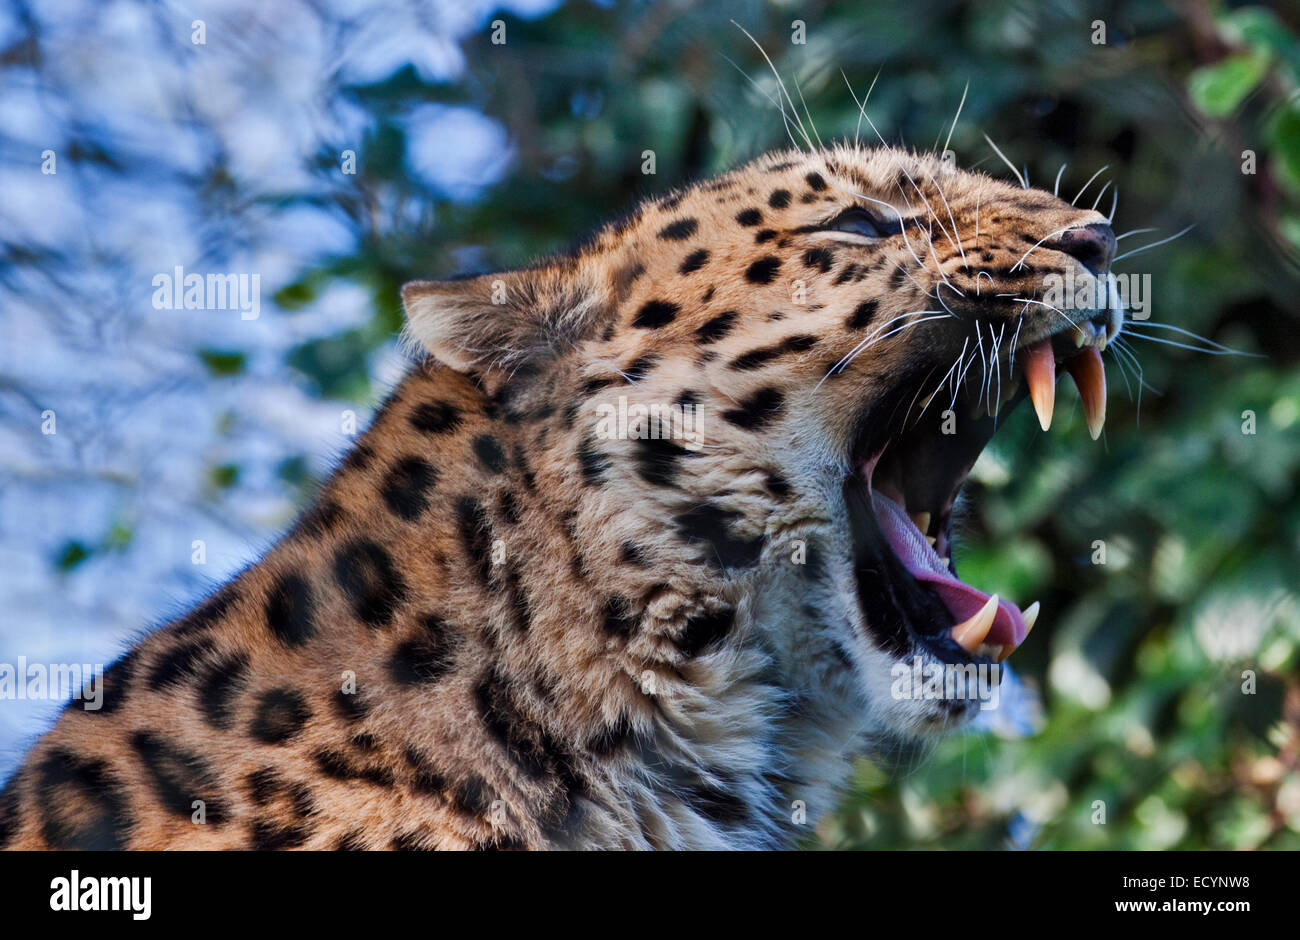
x,y
922,521
969,634
1031,616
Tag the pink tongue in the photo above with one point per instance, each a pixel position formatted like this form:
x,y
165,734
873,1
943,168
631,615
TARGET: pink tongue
x,y
962,600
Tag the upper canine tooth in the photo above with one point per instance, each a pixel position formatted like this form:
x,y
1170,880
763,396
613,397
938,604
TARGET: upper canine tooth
x,y
922,521
969,634
1089,376
1078,335
1040,373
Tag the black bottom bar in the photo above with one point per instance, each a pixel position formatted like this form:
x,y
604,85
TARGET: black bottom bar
x,y
965,889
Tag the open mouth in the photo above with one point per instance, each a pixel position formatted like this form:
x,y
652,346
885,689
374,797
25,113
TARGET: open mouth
x,y
901,500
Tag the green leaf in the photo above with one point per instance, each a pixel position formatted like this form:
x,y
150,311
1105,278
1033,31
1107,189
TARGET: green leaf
x,y
118,537
1263,32
295,296
73,554
1284,135
293,470
1218,89
223,363
337,364
224,476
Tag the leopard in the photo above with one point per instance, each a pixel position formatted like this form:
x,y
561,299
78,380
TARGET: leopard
x,y
632,556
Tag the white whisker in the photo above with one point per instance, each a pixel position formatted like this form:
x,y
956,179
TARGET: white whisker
x,y
808,112
779,82
1041,303
843,363
951,218
861,106
1208,352
933,215
1011,359
780,106
1100,194
947,376
997,346
1129,254
1188,333
905,326
1006,161
1089,183
957,115
1036,244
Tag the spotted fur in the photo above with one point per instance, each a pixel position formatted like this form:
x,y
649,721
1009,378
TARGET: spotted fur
x,y
496,629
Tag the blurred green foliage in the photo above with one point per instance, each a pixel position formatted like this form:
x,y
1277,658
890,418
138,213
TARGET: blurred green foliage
x,y
1139,662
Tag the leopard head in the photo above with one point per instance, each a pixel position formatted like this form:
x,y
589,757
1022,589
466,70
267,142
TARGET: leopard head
x,y
830,339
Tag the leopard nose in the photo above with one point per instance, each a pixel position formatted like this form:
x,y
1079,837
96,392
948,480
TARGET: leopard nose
x,y
1092,245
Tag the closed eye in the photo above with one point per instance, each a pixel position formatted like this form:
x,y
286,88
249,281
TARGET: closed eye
x,y
858,221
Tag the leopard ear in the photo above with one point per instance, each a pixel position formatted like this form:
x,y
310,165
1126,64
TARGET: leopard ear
x,y
499,321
